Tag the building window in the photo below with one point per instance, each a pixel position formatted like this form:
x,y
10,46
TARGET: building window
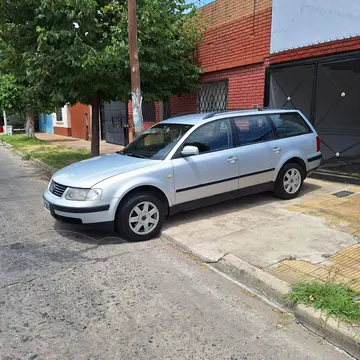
x,y
213,96
59,117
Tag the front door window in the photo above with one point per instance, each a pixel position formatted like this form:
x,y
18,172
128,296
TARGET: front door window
x,y
213,136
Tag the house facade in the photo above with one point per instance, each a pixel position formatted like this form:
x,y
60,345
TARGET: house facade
x,y
56,123
302,54
314,66
234,55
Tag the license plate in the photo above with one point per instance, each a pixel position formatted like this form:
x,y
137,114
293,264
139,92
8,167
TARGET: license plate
x,y
47,205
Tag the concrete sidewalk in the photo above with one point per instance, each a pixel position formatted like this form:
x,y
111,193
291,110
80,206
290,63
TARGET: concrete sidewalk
x,y
263,230
267,244
76,144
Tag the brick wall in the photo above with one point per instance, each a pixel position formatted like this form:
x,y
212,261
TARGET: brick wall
x,y
62,131
236,46
240,42
246,87
224,11
316,50
183,104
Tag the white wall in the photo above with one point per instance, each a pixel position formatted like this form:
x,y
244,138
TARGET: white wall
x,y
298,23
66,123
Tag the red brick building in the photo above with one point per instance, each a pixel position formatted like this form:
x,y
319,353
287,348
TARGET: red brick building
x,y
234,55
302,54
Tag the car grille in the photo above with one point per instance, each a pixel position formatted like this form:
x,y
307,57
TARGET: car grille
x,y
57,189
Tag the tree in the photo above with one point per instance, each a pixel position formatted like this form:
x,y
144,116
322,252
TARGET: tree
x,y
18,93
77,50
19,99
10,95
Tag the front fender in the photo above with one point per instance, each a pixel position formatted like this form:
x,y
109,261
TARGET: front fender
x,y
160,177
147,181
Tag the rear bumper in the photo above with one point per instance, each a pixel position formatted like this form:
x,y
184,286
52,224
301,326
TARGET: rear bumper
x,y
315,158
313,162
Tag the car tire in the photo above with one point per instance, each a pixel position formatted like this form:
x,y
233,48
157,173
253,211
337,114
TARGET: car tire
x,y
150,213
289,181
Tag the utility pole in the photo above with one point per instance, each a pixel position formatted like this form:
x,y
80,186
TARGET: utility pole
x,y
5,122
5,118
135,69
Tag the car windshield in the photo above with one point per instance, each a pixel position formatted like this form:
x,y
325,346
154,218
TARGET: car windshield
x,y
157,142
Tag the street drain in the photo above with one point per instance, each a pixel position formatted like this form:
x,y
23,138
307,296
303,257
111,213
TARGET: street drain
x,y
342,194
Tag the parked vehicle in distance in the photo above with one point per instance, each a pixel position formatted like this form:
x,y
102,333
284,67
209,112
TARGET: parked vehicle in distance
x,y
187,162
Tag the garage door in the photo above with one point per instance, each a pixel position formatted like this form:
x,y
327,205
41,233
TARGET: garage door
x,y
327,91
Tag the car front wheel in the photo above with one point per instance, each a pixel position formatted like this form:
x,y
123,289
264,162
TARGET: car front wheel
x,y
289,182
140,217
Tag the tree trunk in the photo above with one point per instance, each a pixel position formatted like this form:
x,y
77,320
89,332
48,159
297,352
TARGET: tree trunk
x,y
30,124
95,125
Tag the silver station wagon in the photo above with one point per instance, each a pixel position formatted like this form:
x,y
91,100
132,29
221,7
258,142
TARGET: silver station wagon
x,y
184,163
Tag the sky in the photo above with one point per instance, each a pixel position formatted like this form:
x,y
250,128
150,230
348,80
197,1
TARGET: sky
x,y
200,2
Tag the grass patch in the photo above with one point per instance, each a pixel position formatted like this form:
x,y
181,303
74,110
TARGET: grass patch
x,y
26,156
32,148
21,141
334,300
60,159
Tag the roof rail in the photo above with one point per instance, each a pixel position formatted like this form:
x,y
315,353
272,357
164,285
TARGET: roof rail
x,y
208,116
212,114
182,114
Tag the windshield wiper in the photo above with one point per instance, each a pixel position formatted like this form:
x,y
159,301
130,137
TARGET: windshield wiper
x,y
133,155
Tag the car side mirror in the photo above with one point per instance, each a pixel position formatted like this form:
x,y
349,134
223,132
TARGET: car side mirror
x,y
189,151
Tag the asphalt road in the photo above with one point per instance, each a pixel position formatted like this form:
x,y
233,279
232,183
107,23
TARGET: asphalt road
x,y
70,293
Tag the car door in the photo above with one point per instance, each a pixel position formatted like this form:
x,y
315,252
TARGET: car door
x,y
255,138
214,170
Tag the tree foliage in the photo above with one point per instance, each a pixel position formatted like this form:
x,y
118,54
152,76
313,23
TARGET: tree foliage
x,y
10,95
77,50
18,94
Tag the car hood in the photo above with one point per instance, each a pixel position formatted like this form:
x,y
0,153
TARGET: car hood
x,y
87,173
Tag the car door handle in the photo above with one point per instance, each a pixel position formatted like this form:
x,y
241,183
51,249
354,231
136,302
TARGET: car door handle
x,y
232,159
276,150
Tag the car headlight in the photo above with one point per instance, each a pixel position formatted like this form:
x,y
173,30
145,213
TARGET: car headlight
x,y
77,194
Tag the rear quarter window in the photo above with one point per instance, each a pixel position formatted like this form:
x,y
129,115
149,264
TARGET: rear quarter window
x,y
289,124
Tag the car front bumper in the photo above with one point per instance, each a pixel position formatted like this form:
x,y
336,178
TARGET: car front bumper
x,y
81,212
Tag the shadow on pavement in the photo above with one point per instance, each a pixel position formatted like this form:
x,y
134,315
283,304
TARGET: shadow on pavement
x,y
99,234
104,234
234,205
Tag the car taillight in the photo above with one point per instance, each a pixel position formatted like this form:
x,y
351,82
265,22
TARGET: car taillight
x,y
318,144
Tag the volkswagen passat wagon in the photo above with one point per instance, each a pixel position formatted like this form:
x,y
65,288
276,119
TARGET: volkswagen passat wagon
x,y
187,162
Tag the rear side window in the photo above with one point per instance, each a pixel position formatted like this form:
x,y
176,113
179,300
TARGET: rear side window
x,y
253,129
290,124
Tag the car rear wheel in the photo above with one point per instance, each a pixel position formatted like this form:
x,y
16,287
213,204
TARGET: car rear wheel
x,y
289,182
140,217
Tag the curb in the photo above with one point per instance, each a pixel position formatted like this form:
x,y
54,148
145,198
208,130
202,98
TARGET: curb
x,y
274,290
36,162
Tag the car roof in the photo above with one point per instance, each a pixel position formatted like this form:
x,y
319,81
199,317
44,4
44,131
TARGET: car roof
x,y
196,118
191,119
